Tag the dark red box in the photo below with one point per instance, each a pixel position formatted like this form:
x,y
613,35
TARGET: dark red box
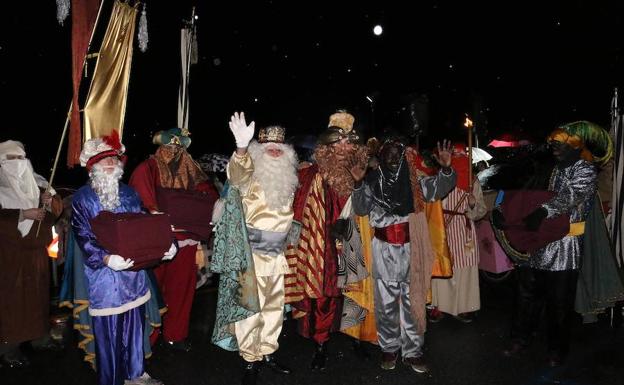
x,y
517,204
189,210
144,238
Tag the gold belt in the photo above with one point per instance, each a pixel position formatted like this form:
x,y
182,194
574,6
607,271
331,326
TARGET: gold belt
x,y
576,228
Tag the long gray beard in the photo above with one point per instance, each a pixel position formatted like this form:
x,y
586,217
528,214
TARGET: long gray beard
x,y
106,186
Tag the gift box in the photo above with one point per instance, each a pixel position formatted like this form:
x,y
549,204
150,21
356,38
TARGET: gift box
x,y
519,242
144,238
189,210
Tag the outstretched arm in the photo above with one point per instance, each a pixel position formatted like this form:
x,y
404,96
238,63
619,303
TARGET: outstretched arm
x,y
362,196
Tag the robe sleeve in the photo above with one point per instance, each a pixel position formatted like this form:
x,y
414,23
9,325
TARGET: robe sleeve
x,y
480,209
438,186
362,200
94,253
581,185
239,172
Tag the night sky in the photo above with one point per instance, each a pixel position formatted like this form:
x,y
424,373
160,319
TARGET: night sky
x,y
519,67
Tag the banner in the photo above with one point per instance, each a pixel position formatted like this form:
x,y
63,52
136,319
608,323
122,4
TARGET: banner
x,y
84,16
188,54
105,108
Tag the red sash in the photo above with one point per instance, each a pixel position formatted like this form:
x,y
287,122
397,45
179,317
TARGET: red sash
x,y
396,234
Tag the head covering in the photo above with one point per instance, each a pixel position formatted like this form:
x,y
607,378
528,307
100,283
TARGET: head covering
x,y
11,147
340,127
96,149
272,134
176,135
391,189
18,187
594,141
177,168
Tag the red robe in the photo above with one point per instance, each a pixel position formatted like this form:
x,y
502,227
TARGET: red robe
x,y
176,278
312,288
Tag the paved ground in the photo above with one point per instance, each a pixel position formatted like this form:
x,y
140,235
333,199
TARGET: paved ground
x,y
458,354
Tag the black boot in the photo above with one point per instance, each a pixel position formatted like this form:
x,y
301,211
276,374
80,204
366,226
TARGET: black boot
x,y
275,366
251,373
320,357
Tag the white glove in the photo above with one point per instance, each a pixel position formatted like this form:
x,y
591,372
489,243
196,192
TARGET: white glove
x,y
242,132
171,253
117,263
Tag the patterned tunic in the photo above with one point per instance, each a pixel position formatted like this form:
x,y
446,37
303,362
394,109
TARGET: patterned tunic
x,y
575,186
459,222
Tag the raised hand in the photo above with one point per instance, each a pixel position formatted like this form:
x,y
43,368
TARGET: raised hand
x,y
357,170
443,157
242,132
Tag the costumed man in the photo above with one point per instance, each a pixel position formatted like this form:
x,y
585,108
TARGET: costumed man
x,y
321,270
116,295
459,295
172,167
552,274
387,197
262,176
24,275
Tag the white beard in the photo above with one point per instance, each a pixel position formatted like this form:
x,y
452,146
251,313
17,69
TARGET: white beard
x,y
277,176
106,185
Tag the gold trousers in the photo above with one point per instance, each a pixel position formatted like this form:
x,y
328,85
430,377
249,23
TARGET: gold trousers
x,y
257,335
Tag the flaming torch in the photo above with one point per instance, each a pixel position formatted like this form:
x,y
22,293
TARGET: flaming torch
x,y
469,125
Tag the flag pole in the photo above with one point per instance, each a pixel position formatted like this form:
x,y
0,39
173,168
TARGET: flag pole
x,y
468,124
68,117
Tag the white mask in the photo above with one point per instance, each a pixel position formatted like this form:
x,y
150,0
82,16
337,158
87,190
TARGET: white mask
x,y
14,167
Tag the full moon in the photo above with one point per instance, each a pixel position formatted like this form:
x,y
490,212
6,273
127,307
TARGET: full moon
x,y
377,30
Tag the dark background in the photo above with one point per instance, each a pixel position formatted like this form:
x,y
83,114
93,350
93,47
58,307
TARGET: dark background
x,y
515,67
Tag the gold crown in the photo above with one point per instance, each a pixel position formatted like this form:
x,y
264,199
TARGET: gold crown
x,y
275,134
342,119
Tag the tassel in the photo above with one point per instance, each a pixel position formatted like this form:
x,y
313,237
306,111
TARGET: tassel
x,y
62,10
142,36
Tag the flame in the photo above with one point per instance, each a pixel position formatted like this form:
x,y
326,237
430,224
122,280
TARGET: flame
x,y
468,122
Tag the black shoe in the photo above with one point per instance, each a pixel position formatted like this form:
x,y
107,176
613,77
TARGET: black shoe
x,y
182,345
320,357
251,373
275,366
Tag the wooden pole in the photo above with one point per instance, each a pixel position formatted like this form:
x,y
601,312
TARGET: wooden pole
x,y
67,119
468,124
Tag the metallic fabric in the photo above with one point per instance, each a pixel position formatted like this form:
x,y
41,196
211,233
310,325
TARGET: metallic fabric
x,y
257,335
257,212
266,242
396,329
105,108
575,186
131,287
119,346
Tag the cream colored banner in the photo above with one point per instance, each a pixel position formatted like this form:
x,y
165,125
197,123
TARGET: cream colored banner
x,y
106,103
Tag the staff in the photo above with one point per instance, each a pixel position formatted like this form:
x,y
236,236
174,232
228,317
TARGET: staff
x,y
468,124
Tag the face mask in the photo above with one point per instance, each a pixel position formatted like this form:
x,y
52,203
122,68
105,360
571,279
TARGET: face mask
x,y
14,167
